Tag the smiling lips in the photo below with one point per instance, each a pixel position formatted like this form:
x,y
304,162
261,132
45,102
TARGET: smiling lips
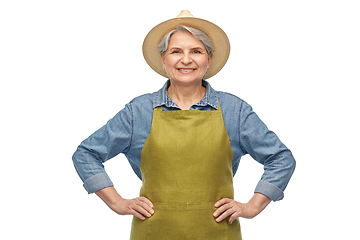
x,y
186,70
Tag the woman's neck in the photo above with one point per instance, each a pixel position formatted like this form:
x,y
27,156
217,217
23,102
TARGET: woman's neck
x,y
186,95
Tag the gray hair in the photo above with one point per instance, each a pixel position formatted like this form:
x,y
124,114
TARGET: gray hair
x,y
198,34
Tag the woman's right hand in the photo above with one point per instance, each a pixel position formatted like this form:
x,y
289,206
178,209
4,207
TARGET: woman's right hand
x,y
140,207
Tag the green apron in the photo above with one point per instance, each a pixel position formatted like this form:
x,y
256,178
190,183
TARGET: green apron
x,y
186,166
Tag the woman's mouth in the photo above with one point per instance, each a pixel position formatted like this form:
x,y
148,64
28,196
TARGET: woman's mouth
x,y
186,70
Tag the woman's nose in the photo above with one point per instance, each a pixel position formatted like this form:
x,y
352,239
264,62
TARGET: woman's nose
x,y
186,58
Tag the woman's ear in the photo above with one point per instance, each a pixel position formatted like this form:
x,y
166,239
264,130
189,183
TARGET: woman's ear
x,y
209,60
163,60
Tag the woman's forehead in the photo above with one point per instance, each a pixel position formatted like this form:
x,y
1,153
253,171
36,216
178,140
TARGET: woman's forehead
x,y
185,39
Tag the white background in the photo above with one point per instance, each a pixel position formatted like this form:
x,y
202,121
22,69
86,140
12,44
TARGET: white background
x,y
66,67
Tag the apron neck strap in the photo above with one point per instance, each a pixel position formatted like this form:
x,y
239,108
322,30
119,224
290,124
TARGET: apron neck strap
x,y
160,108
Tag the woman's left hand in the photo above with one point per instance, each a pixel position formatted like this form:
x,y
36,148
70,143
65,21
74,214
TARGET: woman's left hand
x,y
230,207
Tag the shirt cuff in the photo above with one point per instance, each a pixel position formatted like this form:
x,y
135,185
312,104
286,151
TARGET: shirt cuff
x,y
97,182
269,190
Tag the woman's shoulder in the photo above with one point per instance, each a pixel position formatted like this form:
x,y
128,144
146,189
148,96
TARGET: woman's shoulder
x,y
232,103
148,99
229,98
142,104
143,99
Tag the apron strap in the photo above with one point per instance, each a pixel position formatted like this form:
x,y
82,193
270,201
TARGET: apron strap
x,y
160,108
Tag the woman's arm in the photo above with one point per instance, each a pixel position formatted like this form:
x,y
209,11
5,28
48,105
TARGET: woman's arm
x,y
229,207
113,138
266,148
140,207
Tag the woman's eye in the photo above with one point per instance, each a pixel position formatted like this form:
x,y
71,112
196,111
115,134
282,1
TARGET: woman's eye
x,y
175,51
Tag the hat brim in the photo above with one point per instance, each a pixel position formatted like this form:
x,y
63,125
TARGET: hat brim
x,y
216,34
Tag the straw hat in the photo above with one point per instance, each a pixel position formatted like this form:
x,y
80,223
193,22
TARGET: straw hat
x,y
216,34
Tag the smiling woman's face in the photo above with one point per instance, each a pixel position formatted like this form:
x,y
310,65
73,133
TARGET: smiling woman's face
x,y
185,60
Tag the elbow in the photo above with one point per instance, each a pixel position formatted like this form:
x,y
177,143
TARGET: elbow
x,y
289,168
76,159
289,163
77,165
292,163
283,167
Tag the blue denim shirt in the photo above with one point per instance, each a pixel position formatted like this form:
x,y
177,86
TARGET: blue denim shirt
x,y
127,131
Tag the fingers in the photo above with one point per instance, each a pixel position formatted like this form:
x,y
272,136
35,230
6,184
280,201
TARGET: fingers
x,y
224,209
222,201
227,207
141,207
146,206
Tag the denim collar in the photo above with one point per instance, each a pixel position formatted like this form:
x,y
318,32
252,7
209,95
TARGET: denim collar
x,y
162,98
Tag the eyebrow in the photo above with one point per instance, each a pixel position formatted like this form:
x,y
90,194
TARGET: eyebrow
x,y
194,48
198,48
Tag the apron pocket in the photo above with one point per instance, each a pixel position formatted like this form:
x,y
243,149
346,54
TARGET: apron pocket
x,y
181,221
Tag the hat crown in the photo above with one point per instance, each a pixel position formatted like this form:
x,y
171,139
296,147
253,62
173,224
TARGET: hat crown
x,y
185,13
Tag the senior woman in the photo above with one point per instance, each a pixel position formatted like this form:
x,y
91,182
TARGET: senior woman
x,y
186,159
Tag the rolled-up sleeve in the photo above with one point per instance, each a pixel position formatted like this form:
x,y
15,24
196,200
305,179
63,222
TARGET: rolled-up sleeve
x,y
110,140
266,148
